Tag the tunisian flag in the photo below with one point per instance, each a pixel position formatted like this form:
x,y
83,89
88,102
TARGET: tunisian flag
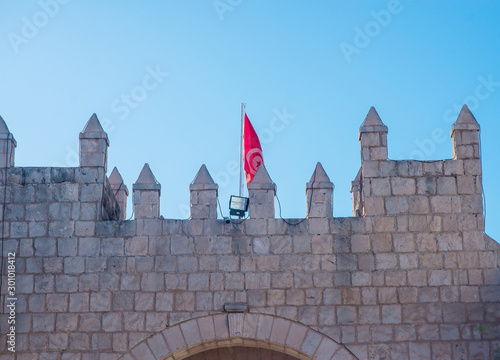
x,y
252,152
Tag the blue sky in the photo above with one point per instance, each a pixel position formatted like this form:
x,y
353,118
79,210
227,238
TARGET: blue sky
x,y
166,79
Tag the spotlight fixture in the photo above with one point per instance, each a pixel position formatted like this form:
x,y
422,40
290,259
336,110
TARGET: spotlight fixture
x,y
238,205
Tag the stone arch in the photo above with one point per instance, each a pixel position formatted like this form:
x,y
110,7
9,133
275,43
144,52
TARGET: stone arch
x,y
195,336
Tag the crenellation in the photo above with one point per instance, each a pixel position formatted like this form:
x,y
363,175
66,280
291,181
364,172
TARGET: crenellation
x,y
411,276
146,192
319,194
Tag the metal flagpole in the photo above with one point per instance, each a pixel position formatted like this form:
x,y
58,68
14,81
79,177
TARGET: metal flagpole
x,y
241,147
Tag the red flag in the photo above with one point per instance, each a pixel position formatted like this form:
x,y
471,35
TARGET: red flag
x,y
252,152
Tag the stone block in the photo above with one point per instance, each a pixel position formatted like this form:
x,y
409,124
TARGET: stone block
x,y
374,205
380,187
418,204
67,247
469,294
279,244
100,301
439,277
381,242
79,302
112,247
90,322
366,262
387,295
144,301
360,243
79,341
346,315
431,168
346,262
36,212
387,168
181,245
74,265
60,211
466,185
88,247
268,263
386,261
371,168
45,246
391,314
37,229
84,228
14,212
396,205
472,167
403,186
404,242
136,245
152,282
23,194
384,224
184,301
454,313
447,185
322,244
426,185
95,264
43,322
18,229
449,242
369,314
473,240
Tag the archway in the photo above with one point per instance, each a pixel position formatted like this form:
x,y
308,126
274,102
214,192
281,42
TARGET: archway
x,y
241,353
248,334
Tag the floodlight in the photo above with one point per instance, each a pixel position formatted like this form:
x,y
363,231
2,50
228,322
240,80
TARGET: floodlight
x,y
238,205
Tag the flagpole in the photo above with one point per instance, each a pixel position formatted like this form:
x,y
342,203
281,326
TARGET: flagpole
x,y
241,147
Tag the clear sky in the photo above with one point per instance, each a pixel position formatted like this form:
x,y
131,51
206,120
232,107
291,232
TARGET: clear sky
x,y
166,79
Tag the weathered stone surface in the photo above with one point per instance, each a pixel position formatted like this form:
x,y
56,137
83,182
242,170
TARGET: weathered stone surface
x,y
411,277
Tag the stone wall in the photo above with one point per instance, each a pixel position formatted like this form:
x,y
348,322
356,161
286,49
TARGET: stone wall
x,y
410,276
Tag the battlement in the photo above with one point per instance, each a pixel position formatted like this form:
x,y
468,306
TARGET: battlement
x,y
382,187
410,276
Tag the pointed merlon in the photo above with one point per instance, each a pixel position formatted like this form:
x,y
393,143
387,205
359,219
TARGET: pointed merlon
x,y
3,127
262,176
115,178
5,132
319,178
358,175
146,180
116,181
465,116
93,125
372,123
146,176
465,120
203,180
319,174
94,130
203,176
356,183
372,118
262,180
